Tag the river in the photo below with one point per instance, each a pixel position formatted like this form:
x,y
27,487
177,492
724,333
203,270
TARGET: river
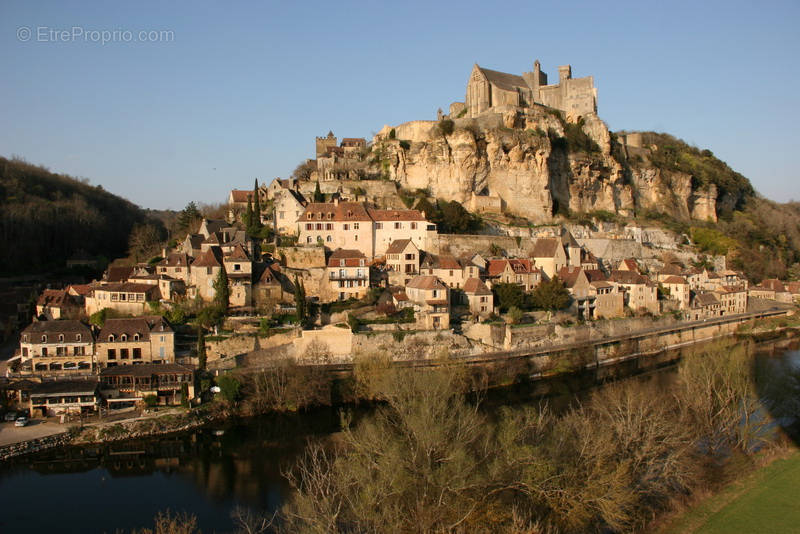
x,y
209,472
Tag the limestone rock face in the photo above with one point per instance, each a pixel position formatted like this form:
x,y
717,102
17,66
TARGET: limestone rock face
x,y
523,158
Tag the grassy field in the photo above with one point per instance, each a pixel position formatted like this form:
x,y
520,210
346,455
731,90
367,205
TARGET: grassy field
x,y
765,502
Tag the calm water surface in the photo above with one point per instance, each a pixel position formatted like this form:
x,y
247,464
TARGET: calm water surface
x,y
211,471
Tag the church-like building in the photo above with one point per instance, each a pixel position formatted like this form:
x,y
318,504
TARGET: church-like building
x,y
491,89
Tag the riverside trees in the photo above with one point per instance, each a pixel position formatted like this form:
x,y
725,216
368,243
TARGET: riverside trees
x,y
429,460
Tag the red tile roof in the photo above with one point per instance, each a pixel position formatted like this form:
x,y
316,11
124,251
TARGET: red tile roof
x,y
476,286
331,211
396,215
351,258
239,195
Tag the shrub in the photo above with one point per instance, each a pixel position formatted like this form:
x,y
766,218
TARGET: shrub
x,y
446,127
151,401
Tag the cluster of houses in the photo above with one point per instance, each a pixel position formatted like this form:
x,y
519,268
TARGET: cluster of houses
x,y
342,251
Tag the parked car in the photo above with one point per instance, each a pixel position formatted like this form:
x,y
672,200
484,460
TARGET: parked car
x,y
11,416
21,421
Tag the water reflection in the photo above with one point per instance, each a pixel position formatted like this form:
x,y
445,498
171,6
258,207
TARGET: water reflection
x,y
210,471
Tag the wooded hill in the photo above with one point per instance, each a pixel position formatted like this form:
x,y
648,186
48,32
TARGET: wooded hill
x,y
47,218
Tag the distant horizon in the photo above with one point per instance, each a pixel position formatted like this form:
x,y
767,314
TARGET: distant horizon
x,y
164,105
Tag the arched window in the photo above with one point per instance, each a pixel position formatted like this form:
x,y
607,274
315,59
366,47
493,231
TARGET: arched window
x,y
136,337
44,339
329,239
77,337
111,338
61,337
123,337
308,239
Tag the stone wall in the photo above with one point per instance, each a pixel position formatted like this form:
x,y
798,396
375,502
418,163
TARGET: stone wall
x,y
242,344
302,257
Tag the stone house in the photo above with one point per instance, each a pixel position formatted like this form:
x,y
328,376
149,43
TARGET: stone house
x,y
704,305
402,261
479,297
345,225
549,256
192,245
348,274
350,225
58,304
678,289
60,345
514,271
593,296
203,273
70,397
126,298
732,298
641,294
175,265
446,268
239,269
137,340
390,225
670,269
277,185
237,202
431,300
271,286
781,294
128,385
289,205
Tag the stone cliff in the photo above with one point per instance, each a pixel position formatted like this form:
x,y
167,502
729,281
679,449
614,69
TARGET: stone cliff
x,y
539,165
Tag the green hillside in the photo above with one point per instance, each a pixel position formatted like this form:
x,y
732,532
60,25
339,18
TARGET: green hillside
x,y
46,218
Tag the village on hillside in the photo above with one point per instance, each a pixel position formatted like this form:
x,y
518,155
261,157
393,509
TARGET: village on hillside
x,y
332,264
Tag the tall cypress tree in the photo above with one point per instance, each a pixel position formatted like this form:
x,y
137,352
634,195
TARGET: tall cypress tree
x,y
247,218
222,293
256,222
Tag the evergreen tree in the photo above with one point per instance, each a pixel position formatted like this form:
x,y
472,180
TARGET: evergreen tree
x,y
187,217
247,218
318,196
222,292
256,207
201,348
300,300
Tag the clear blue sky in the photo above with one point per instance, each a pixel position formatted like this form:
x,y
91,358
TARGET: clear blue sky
x,y
242,88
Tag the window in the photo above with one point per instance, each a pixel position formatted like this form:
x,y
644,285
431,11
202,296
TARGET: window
x,y
112,354
398,225
111,338
44,339
319,226
379,226
77,337
237,267
308,239
329,226
413,226
345,227
61,337
25,338
136,337
309,226
355,226
124,354
356,237
137,354
44,351
161,339
329,239
319,215
24,352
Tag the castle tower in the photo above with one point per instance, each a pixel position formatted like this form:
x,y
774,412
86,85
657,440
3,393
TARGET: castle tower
x,y
324,142
564,73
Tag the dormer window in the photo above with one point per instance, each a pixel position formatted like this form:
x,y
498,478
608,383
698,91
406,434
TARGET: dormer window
x,y
77,337
330,216
136,337
361,263
44,339
61,338
123,337
25,338
309,216
111,338
319,215
349,213
341,263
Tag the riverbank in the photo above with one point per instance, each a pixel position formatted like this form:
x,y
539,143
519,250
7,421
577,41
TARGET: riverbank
x,y
640,351
762,500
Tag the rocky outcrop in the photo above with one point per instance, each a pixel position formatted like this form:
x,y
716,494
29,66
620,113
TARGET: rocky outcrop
x,y
538,164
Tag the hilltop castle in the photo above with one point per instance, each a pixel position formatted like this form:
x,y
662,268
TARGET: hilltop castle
x,y
491,89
